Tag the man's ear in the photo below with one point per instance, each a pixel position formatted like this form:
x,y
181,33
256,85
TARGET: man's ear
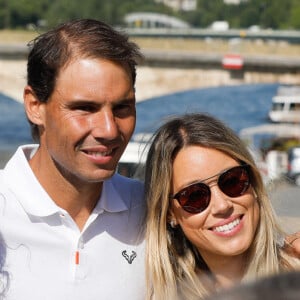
x,y
33,106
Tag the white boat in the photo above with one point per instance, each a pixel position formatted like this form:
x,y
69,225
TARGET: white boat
x,y
133,160
286,105
274,163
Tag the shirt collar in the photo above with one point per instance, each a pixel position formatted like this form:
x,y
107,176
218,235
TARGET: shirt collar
x,y
111,200
22,182
35,200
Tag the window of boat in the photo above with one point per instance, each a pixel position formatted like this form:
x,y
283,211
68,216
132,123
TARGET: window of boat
x,y
278,106
295,106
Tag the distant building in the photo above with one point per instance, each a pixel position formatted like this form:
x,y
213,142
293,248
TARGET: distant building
x,y
186,5
236,2
189,5
153,20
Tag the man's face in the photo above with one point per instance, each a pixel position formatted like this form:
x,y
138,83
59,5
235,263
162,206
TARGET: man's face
x,y
89,119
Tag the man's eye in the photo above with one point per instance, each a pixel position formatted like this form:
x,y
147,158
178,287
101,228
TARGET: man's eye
x,y
83,107
123,110
122,107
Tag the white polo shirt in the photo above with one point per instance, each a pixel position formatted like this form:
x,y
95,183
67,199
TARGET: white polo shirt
x,y
48,258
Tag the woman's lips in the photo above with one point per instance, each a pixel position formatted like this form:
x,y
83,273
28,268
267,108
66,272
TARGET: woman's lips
x,y
230,226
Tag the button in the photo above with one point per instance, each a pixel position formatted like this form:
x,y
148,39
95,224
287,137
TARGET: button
x,y
80,244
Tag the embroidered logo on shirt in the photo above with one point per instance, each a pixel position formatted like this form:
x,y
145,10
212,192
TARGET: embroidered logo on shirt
x,y
129,258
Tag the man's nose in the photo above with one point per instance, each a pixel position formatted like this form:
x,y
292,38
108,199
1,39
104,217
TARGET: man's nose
x,y
105,125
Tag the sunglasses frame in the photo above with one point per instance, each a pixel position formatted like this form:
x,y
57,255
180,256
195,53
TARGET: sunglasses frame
x,y
190,209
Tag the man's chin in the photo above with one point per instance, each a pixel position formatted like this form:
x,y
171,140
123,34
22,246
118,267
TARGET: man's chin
x,y
103,175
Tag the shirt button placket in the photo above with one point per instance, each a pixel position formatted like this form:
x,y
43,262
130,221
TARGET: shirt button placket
x,y
80,260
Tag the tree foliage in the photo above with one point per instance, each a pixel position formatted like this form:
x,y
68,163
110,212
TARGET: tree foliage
x,y
276,14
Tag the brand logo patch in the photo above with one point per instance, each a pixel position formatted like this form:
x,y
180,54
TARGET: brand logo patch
x,y
129,258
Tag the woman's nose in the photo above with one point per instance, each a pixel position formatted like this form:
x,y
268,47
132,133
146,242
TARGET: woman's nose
x,y
220,203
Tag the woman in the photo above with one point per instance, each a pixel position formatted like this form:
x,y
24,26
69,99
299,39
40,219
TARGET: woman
x,y
210,223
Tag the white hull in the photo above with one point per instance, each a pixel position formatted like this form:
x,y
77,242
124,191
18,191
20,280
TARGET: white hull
x,y
285,116
285,107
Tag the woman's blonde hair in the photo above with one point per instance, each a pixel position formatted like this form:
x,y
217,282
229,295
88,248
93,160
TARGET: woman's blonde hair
x,y
171,260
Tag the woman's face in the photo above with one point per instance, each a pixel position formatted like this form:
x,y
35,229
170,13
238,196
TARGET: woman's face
x,y
227,226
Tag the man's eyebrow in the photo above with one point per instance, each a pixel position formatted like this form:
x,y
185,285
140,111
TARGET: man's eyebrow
x,y
126,100
87,102
82,102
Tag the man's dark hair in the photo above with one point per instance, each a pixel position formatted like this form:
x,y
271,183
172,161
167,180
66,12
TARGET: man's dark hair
x,y
85,38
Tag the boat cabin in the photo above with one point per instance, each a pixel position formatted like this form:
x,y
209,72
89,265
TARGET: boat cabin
x,y
285,109
133,160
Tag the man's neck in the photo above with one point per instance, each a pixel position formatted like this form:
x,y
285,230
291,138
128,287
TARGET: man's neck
x,y
78,198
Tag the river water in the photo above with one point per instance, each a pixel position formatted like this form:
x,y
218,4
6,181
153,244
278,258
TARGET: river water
x,y
238,106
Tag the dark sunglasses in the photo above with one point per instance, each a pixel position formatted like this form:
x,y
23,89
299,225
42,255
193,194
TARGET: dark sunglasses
x,y
233,182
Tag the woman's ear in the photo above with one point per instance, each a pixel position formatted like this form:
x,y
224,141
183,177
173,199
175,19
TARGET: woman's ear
x,y
171,219
33,106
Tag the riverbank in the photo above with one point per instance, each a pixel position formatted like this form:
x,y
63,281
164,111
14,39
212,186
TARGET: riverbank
x,y
158,81
151,82
13,78
208,45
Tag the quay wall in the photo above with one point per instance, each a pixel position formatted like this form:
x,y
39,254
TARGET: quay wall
x,y
155,81
169,71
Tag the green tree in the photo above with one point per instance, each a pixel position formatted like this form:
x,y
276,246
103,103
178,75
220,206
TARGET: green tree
x,y
294,16
276,14
111,11
23,12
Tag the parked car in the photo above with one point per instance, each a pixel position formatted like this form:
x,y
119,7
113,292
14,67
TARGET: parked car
x,y
293,171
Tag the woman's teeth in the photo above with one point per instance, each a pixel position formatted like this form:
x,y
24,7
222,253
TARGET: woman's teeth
x,y
228,226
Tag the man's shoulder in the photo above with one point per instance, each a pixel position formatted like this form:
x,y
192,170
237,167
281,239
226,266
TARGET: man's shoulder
x,y
16,170
2,184
5,192
20,157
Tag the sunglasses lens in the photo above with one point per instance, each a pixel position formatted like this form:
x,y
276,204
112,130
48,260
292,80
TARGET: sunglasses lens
x,y
235,181
194,198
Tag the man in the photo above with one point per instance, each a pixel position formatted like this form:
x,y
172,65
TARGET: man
x,y
72,227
